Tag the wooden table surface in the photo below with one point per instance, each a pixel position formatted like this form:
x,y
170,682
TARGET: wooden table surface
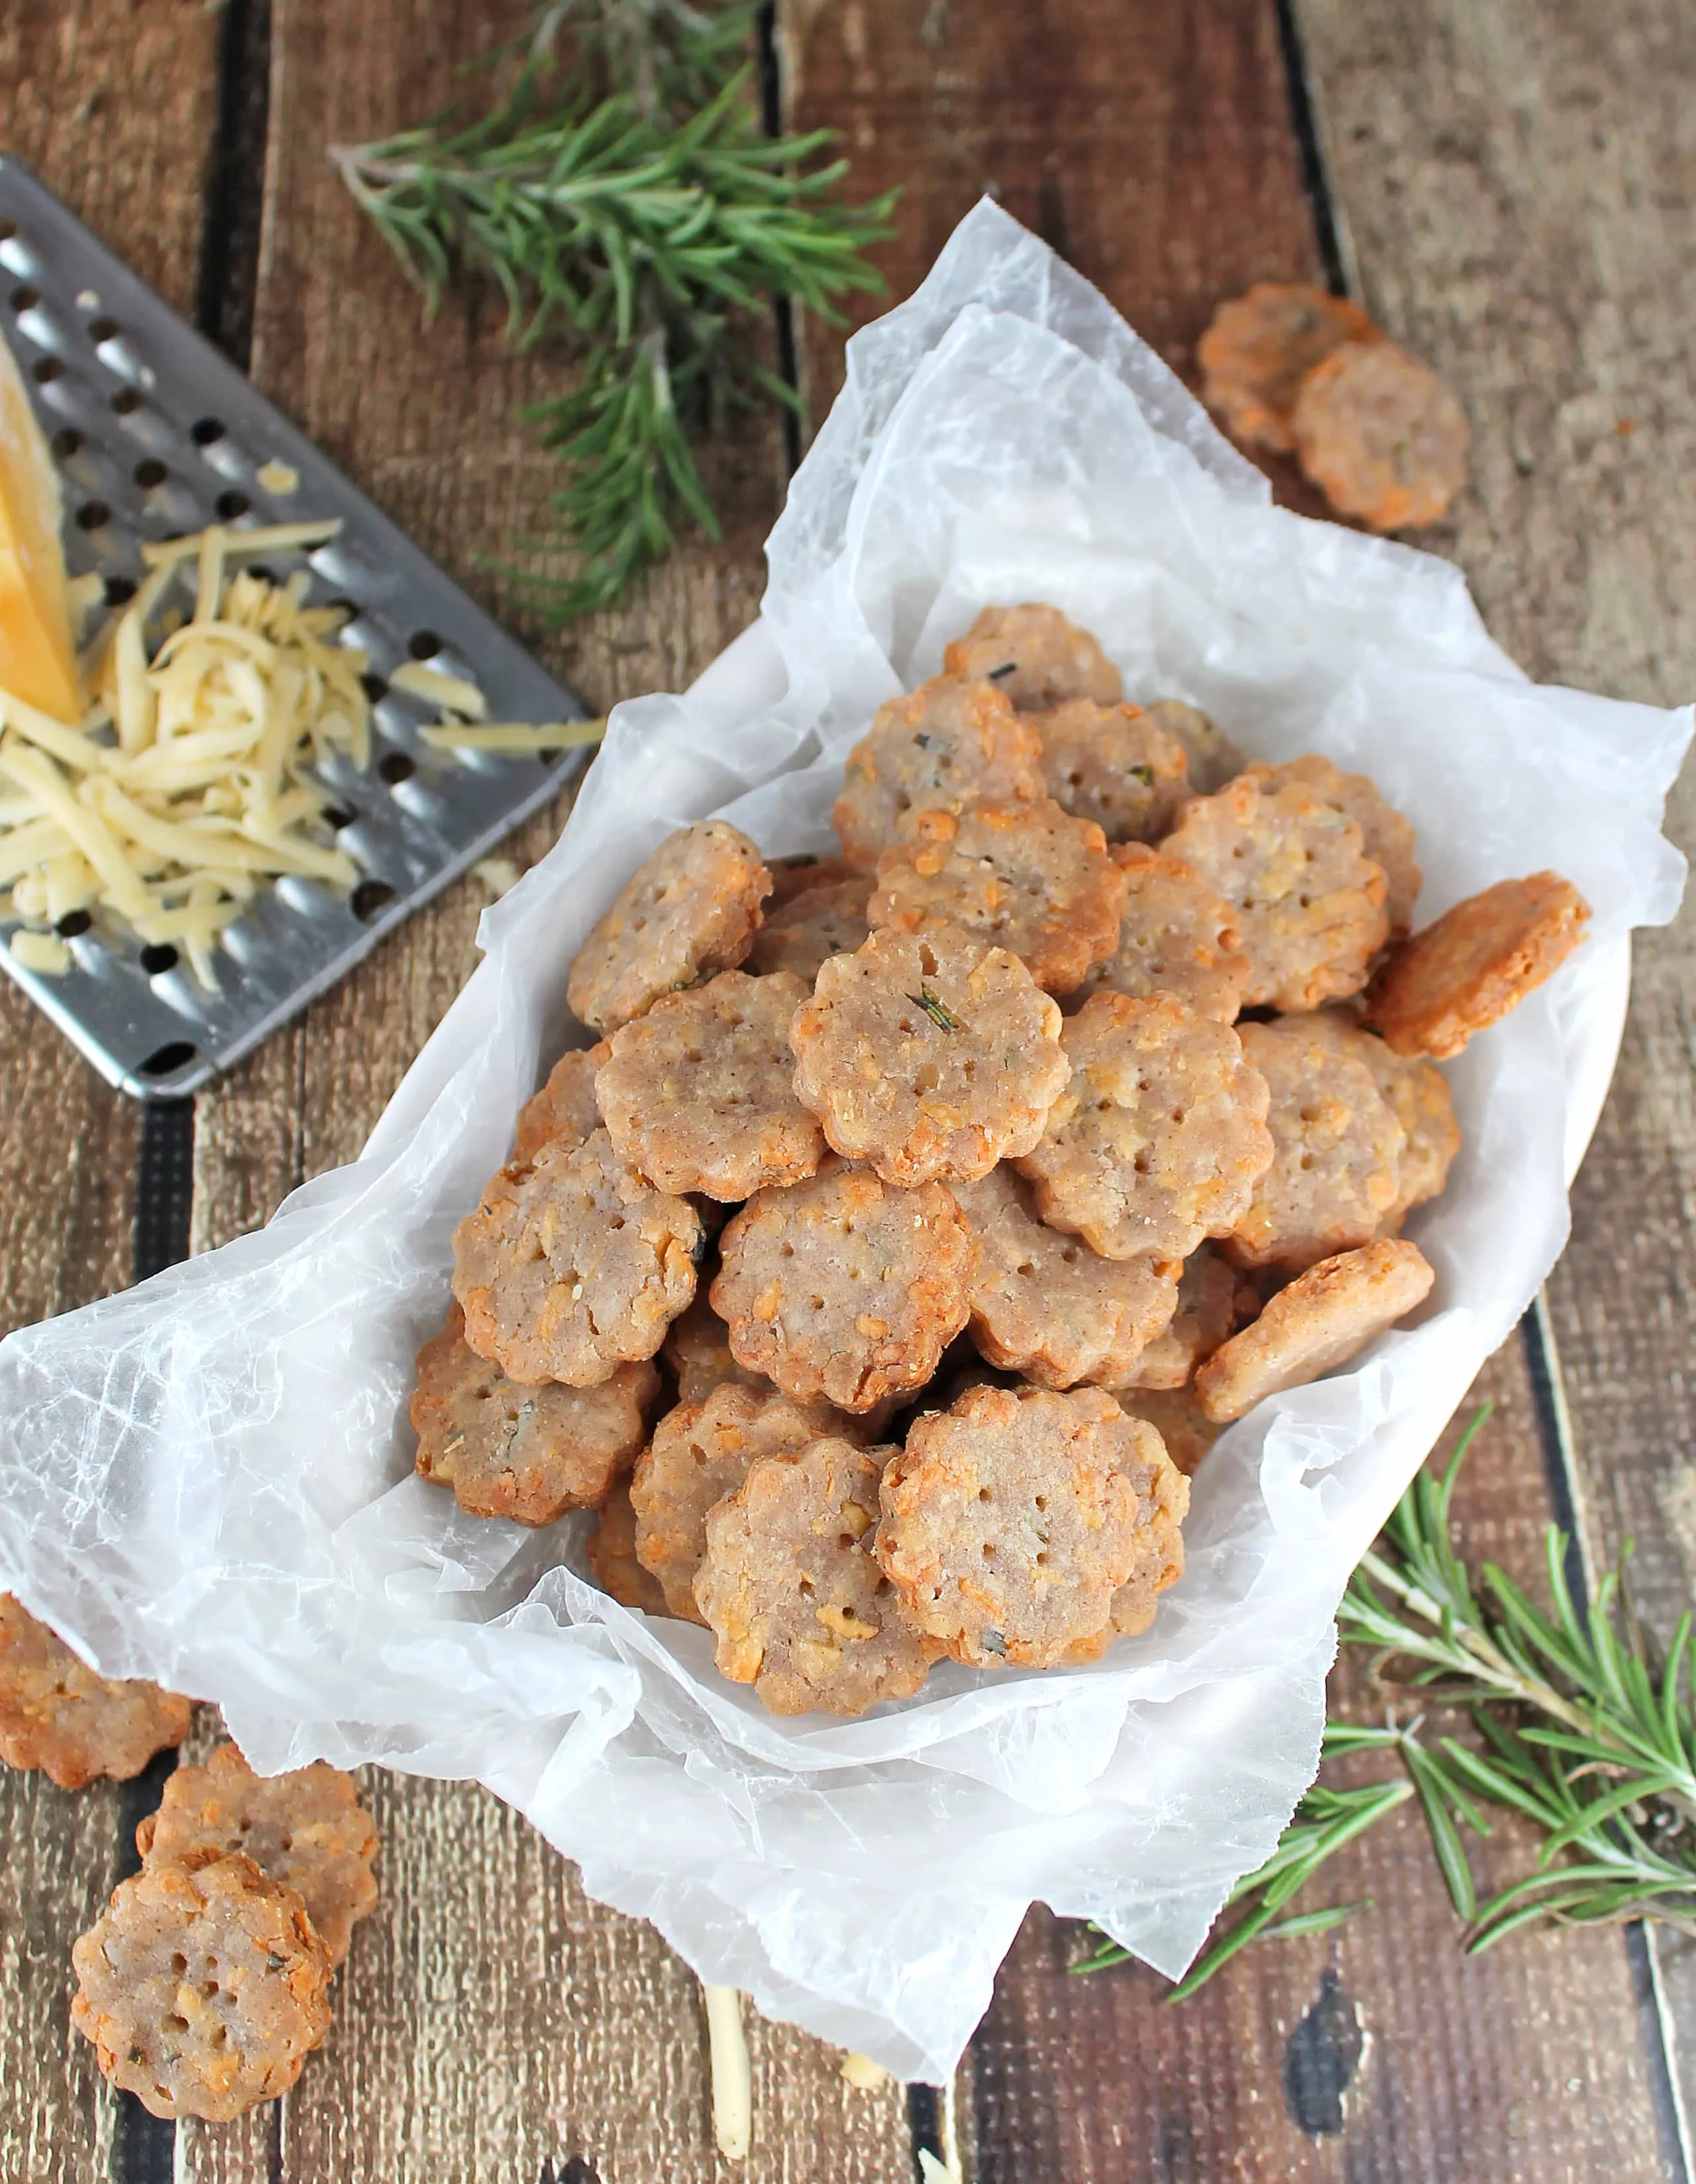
x,y
1511,187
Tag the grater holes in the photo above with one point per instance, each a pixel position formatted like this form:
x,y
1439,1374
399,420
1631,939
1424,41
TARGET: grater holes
x,y
205,431
164,1060
24,298
74,924
230,505
119,591
125,402
150,473
374,687
368,898
45,369
394,768
159,957
93,515
338,816
8,231
423,644
104,330
66,444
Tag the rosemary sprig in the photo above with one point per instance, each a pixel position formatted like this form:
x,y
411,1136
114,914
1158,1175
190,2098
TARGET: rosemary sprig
x,y
634,215
1577,1731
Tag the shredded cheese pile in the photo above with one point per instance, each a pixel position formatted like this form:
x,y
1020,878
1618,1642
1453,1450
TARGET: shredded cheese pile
x,y
192,780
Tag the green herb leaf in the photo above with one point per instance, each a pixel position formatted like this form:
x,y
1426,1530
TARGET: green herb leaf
x,y
940,1014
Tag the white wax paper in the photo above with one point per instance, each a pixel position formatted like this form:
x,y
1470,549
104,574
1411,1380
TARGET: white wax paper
x,y
209,1480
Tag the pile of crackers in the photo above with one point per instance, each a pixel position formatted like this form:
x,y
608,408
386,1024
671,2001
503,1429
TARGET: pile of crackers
x,y
924,1212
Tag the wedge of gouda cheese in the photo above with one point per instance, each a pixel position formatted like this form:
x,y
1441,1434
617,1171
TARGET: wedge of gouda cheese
x,y
37,662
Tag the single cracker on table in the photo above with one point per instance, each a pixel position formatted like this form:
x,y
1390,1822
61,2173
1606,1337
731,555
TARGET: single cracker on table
x,y
1467,970
202,1986
950,743
1381,436
1046,1305
1321,1319
1335,1173
530,1453
305,1829
1260,347
1116,765
1213,1299
691,909
611,1556
574,1266
930,1054
57,1714
563,1111
1176,937
1417,1092
843,1286
1028,878
798,1605
1162,1487
1386,836
1160,1137
1037,656
699,1454
811,927
1308,902
1008,1525
698,1094
1214,759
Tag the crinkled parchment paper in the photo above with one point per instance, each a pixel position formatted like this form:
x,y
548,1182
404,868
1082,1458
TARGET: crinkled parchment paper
x,y
209,1480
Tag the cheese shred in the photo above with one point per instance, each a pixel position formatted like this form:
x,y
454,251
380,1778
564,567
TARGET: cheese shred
x,y
196,775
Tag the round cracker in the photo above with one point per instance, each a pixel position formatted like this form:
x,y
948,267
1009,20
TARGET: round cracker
x,y
798,1605
574,1265
1037,656
1477,961
1308,903
1158,1138
950,743
1381,436
844,1287
1027,877
930,1054
305,1829
202,1986
1325,1317
528,1453
691,909
57,1714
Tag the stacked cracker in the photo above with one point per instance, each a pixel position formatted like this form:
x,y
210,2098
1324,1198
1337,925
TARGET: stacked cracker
x,y
204,1983
1022,1214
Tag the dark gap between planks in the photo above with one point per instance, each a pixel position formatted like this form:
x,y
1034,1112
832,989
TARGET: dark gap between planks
x,y
783,311
1560,1470
1305,125
144,2147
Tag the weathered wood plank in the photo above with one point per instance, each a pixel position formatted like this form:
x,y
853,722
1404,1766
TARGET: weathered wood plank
x,y
1516,175
1154,147
1378,2050
490,2017
1150,146
132,166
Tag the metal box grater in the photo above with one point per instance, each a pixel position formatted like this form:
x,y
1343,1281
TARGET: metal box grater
x,y
156,433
